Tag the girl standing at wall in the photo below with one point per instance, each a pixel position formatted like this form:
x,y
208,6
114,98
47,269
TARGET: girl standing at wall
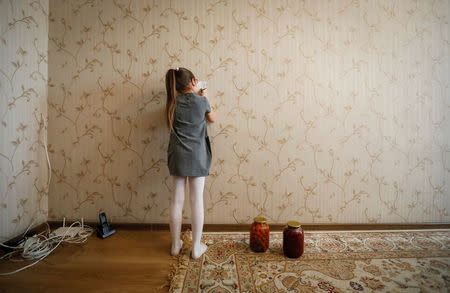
x,y
188,153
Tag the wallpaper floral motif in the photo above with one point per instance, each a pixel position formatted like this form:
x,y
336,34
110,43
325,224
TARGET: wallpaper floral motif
x,y
23,108
327,111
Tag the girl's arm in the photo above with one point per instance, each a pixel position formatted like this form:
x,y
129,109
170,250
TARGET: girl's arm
x,y
211,116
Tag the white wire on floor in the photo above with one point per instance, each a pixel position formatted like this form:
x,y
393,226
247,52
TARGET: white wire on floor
x,y
40,245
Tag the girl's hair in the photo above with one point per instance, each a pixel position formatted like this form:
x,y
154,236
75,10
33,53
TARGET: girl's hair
x,y
176,81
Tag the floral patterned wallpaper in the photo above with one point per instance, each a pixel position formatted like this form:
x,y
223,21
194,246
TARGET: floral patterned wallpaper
x,y
23,108
327,111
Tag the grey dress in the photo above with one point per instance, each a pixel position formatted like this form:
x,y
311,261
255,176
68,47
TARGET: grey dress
x,y
189,150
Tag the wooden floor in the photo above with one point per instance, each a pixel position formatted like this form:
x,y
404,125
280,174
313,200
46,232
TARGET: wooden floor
x,y
128,261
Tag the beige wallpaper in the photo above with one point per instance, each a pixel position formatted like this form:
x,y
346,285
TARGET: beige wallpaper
x,y
327,111
23,108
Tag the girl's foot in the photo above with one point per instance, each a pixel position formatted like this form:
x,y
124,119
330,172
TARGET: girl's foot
x,y
176,247
198,251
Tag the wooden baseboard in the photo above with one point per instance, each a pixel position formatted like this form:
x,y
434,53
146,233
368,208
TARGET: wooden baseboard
x,y
273,227
330,227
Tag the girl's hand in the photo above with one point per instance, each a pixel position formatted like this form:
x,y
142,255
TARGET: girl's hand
x,y
202,92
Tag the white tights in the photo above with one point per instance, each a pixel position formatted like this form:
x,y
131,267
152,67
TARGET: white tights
x,y
196,185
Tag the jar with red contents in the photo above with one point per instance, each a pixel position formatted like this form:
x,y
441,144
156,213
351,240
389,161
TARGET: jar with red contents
x,y
259,235
293,240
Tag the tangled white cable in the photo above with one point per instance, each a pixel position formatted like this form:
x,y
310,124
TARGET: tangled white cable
x,y
40,246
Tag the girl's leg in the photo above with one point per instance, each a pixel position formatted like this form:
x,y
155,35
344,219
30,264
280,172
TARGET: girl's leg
x,y
196,185
176,213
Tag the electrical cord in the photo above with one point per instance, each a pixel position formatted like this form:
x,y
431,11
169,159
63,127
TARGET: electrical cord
x,y
40,246
46,152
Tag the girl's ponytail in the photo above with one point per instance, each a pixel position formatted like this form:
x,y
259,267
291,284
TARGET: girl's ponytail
x,y
177,80
171,97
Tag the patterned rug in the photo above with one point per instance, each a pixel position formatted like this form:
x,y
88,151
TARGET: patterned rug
x,y
372,261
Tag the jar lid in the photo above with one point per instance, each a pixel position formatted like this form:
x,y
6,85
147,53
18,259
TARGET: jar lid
x,y
259,220
293,224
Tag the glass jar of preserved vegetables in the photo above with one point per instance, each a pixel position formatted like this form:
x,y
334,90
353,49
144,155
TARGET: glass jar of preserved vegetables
x,y
259,235
293,240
